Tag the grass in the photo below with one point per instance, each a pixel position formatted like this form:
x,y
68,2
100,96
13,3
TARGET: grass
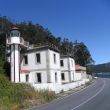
x,y
16,96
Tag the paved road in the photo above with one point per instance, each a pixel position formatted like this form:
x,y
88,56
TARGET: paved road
x,y
96,97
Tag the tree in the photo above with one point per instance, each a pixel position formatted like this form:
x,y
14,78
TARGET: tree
x,y
82,55
6,68
5,26
66,47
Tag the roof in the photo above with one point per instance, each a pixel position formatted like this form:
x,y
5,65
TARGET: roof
x,y
66,56
39,48
79,68
15,28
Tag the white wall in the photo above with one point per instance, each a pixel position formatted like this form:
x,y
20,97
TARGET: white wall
x,y
46,67
69,67
72,68
65,66
58,76
72,64
33,77
22,77
52,64
57,88
69,64
66,77
32,65
77,77
84,75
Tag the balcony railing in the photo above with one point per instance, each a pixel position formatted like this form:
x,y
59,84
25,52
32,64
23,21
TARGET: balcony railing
x,y
22,42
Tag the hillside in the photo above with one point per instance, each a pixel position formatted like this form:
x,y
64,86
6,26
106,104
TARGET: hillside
x,y
100,68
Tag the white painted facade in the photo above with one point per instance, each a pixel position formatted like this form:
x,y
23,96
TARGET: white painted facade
x,y
77,77
67,64
41,66
50,70
57,88
48,67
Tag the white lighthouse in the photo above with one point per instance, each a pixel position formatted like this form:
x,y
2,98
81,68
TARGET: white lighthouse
x,y
15,42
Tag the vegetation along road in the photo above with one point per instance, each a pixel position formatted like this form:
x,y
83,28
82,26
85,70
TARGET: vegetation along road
x,y
96,97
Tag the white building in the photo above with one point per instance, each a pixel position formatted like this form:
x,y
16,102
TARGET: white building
x,y
42,65
81,71
67,64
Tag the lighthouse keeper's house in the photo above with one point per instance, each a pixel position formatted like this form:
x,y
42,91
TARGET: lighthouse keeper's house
x,y
42,66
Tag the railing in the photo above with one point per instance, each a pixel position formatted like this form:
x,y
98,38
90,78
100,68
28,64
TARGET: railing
x,y
46,44
25,43
22,42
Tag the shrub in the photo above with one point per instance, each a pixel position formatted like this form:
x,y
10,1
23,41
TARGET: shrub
x,y
14,96
46,95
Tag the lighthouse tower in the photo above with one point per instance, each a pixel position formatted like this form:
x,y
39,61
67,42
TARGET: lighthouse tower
x,y
16,43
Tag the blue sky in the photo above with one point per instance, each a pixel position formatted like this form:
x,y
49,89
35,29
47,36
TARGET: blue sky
x,y
83,20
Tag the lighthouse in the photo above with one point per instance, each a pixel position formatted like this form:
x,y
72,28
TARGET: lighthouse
x,y
16,43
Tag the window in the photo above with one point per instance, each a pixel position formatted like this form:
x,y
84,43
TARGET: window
x,y
25,59
15,33
61,63
62,76
39,77
27,78
38,58
54,55
55,77
11,34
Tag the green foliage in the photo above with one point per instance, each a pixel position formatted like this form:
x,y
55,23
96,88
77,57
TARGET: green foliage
x,y
46,95
100,68
17,96
37,34
89,71
5,25
82,55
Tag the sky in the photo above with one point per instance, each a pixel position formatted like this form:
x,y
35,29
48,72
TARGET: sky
x,y
87,21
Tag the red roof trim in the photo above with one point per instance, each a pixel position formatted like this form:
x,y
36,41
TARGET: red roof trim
x,y
24,71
